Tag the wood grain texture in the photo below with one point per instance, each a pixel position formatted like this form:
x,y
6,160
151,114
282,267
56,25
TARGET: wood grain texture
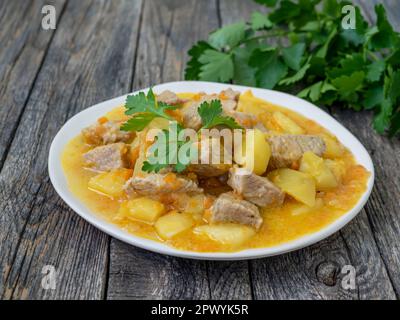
x,y
23,46
89,60
315,272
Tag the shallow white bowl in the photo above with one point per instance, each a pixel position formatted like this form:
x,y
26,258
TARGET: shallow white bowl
x,y
88,116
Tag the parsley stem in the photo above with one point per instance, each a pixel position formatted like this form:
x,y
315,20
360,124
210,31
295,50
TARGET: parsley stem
x,y
278,33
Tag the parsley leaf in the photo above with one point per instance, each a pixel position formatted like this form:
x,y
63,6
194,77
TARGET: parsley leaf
x,y
217,66
293,55
166,148
211,116
260,21
193,69
228,36
385,37
144,109
375,70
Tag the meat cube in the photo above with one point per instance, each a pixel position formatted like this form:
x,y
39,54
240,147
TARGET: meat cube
x,y
190,116
158,183
105,133
230,94
209,170
170,98
229,208
256,189
288,149
108,157
247,120
205,166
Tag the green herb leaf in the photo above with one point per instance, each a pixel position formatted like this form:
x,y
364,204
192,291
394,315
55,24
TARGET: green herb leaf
x,y
144,109
386,37
193,68
211,116
373,97
298,75
217,66
375,70
346,85
293,55
228,36
382,119
260,21
287,10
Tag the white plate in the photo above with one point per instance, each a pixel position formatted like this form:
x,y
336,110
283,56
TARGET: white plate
x,y
88,116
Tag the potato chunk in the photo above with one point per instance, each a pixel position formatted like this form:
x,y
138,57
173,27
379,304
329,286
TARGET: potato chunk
x,y
110,183
287,124
299,208
142,209
333,148
172,224
256,152
316,167
249,104
299,185
338,168
226,233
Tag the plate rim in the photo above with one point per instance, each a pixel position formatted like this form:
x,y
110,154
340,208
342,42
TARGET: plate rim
x,y
60,184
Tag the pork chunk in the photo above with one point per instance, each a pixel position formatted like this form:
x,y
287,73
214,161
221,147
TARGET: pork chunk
x,y
108,157
158,183
105,133
230,94
287,149
229,208
256,189
170,98
205,166
247,120
190,116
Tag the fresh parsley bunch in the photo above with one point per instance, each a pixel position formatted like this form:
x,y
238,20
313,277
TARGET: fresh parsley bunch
x,y
322,62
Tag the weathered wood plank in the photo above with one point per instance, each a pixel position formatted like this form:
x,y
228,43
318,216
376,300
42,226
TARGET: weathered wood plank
x,y
315,272
168,29
23,45
89,60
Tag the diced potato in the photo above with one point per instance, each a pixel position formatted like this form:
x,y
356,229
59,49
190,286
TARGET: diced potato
x,y
256,152
117,114
226,233
249,104
316,167
110,183
299,208
195,206
287,124
142,209
172,224
333,148
299,185
338,168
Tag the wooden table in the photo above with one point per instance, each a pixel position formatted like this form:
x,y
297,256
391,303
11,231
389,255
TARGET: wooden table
x,y
103,49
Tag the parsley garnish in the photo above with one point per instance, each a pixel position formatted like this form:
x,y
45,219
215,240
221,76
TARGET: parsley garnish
x,y
324,63
211,116
144,109
166,149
